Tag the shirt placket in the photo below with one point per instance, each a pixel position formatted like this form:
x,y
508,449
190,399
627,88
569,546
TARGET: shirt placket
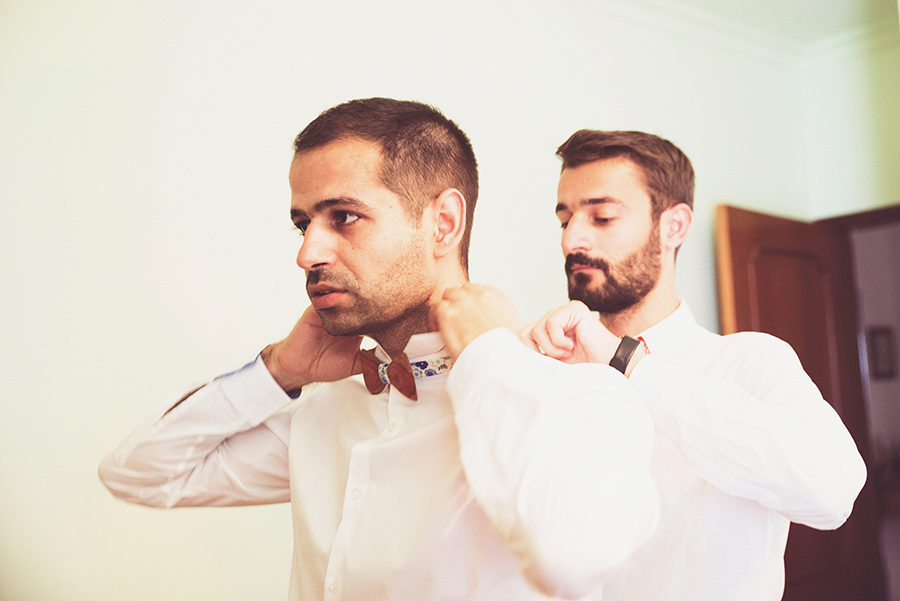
x,y
359,477
355,493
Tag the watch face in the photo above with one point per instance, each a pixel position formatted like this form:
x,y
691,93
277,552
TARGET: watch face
x,y
624,353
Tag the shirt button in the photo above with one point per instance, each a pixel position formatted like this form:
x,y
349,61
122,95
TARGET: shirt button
x,y
332,589
354,494
391,426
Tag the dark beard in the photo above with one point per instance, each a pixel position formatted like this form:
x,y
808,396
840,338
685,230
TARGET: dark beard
x,y
626,283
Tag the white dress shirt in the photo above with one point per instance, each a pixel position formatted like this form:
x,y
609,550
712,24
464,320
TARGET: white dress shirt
x,y
744,445
514,478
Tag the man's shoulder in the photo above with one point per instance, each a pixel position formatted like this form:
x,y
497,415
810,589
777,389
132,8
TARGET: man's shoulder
x,y
759,351
761,342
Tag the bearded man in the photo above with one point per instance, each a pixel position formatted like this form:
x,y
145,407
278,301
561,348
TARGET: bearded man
x,y
493,481
745,443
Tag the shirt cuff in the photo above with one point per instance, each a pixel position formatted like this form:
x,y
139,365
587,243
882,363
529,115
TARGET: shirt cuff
x,y
253,391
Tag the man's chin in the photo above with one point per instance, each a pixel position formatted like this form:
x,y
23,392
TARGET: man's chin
x,y
606,305
337,321
595,301
591,281
334,324
585,294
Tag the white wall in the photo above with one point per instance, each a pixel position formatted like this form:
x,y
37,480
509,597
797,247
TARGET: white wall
x,y
146,247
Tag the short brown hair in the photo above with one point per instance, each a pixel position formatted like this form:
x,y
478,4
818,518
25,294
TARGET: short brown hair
x,y
667,170
423,152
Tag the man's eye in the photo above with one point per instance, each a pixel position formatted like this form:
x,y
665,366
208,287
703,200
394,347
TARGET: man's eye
x,y
344,218
563,224
301,227
602,220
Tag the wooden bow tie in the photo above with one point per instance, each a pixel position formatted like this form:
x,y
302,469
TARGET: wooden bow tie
x,y
398,373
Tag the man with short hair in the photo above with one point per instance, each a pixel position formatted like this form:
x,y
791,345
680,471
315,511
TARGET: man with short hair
x,y
745,443
494,481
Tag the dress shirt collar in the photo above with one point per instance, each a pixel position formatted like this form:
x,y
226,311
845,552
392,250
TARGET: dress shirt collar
x,y
667,336
420,346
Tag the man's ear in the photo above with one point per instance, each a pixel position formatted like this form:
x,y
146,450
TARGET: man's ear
x,y
449,210
674,225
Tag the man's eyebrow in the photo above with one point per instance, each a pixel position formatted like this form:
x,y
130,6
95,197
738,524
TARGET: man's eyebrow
x,y
347,202
562,207
297,215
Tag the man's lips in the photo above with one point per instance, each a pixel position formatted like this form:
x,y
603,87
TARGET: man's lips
x,y
581,267
323,296
580,262
321,289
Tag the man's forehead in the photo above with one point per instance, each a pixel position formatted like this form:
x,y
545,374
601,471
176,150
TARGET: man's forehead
x,y
339,169
605,181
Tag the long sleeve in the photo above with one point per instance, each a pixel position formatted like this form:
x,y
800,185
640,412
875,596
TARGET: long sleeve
x,y
750,421
558,456
225,444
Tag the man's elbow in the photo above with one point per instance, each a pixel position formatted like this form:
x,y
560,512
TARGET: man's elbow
x,y
130,486
834,502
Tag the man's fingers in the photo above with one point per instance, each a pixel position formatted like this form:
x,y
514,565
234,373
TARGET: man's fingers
x,y
442,318
452,294
352,348
526,336
558,334
546,345
434,322
553,330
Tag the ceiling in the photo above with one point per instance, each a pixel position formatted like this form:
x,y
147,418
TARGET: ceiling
x,y
800,21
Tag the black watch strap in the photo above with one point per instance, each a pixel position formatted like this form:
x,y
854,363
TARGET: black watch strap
x,y
624,352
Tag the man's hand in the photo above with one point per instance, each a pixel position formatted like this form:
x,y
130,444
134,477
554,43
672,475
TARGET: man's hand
x,y
310,354
465,313
571,334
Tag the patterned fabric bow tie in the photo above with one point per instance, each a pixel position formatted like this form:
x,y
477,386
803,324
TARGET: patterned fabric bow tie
x,y
399,373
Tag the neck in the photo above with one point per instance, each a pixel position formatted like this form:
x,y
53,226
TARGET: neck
x,y
393,339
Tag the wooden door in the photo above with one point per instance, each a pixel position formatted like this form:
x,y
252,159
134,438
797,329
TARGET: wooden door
x,y
794,280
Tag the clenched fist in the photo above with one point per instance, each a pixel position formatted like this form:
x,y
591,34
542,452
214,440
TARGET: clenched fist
x,y
571,334
466,312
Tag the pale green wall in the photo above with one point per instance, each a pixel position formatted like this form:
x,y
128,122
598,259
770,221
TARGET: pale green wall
x,y
143,158
851,102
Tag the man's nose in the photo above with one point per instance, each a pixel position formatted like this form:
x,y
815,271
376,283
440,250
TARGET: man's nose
x,y
576,236
317,248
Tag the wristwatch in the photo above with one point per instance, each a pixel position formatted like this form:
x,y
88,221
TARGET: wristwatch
x,y
628,353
